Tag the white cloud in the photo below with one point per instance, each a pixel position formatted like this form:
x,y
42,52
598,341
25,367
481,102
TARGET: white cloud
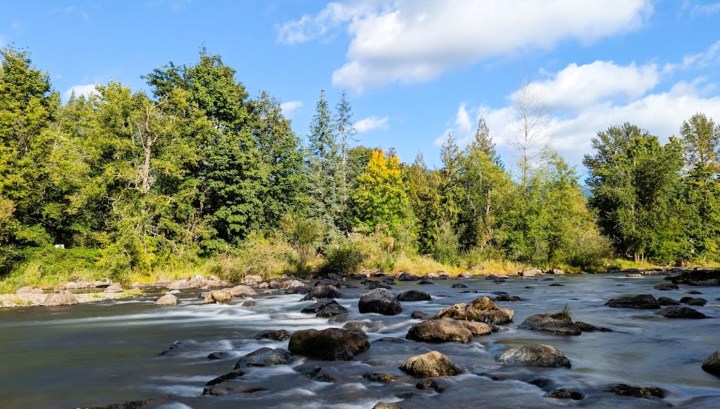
x,y
661,112
85,90
706,9
704,59
418,40
372,123
576,87
289,108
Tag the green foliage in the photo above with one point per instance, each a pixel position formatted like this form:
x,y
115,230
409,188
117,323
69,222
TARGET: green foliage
x,y
342,259
266,256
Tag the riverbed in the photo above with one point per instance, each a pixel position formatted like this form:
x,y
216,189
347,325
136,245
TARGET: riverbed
x,y
94,354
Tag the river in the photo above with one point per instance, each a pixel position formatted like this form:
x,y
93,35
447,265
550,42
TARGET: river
x,y
103,353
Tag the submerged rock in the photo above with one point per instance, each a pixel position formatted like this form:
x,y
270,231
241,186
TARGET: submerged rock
x,y
507,298
546,356
134,404
419,315
563,393
711,364
636,391
58,299
219,355
666,286
681,312
331,344
459,285
696,301
640,302
664,301
380,301
432,383
380,377
552,324
315,373
275,335
407,277
414,295
430,365
265,357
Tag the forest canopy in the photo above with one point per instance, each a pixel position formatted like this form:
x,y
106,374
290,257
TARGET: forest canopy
x,y
200,173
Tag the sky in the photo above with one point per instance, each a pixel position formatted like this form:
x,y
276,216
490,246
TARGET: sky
x,y
414,70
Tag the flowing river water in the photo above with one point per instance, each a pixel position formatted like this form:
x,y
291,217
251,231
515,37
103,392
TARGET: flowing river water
x,y
94,354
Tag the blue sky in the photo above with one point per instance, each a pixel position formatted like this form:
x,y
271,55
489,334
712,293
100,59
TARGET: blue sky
x,y
414,69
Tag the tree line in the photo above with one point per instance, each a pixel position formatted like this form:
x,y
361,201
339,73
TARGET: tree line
x,y
198,169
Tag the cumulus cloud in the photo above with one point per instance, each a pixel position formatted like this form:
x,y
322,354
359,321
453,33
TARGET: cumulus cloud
x,y
704,59
85,90
576,87
661,112
418,40
289,108
372,123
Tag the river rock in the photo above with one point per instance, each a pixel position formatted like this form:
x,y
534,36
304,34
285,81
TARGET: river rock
x,y
265,357
481,309
459,285
331,309
114,288
318,306
664,301
696,301
380,377
273,334
530,273
414,295
78,285
380,301
711,364
419,315
316,373
432,383
681,312
551,323
58,299
167,299
666,286
218,296
478,328
636,391
248,304
407,277
331,344
209,386
430,365
386,405
29,290
241,291
322,291
640,302
440,330
508,298
585,327
546,356
213,356
555,271
425,281
563,393
252,279
135,404
697,277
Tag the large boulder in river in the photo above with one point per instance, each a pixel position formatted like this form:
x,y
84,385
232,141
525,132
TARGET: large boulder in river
x,y
322,291
167,299
407,277
640,302
551,323
430,365
482,309
546,356
681,312
57,299
711,364
381,301
696,301
414,295
331,344
218,296
442,330
697,277
265,357
241,291
325,308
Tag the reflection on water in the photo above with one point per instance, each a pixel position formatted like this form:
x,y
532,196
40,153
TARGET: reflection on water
x,y
106,353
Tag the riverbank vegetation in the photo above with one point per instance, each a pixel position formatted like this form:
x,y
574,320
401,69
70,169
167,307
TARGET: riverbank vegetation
x,y
199,176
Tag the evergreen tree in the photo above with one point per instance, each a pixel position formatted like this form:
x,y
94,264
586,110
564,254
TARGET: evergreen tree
x,y
345,133
322,163
423,190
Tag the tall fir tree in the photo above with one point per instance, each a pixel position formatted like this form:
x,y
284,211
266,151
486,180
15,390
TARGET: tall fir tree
x,y
345,133
322,163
